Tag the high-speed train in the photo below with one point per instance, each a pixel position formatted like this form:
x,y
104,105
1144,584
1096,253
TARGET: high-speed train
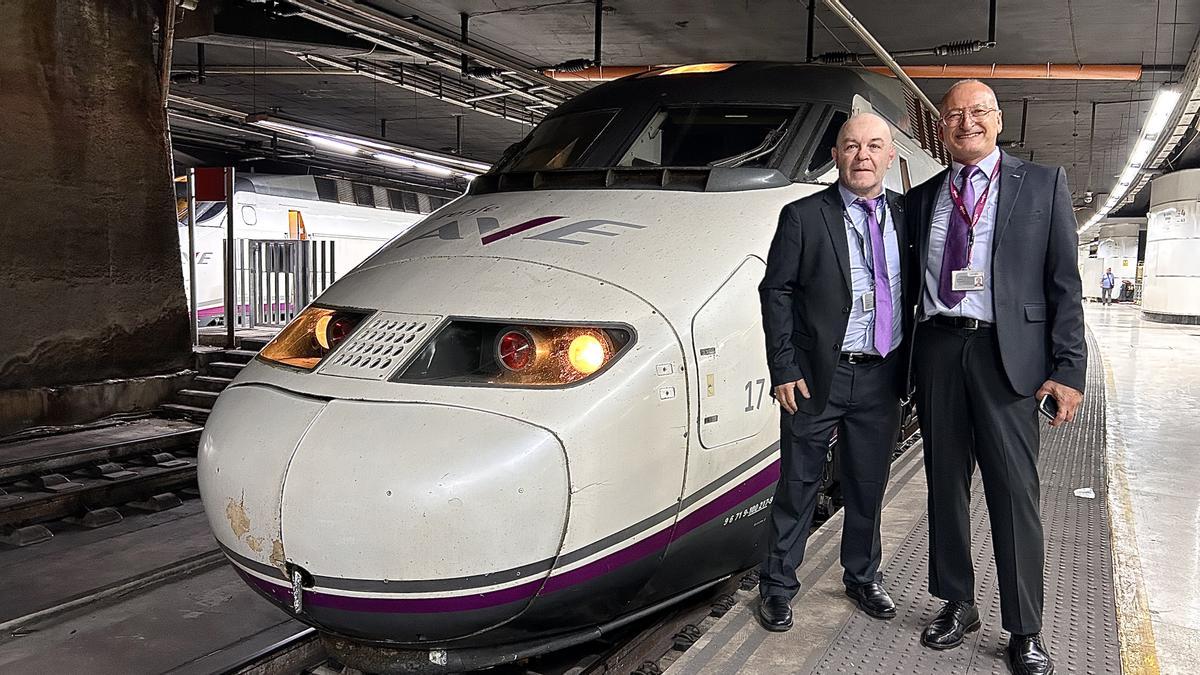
x,y
262,209
545,410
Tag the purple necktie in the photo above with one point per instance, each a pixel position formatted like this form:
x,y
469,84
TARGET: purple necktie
x,y
883,285
954,253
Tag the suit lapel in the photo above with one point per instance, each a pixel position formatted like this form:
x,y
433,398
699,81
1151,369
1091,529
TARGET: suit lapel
x,y
929,196
896,208
834,213
1012,174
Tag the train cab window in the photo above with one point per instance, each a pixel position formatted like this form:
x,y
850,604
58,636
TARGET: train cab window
x,y
701,136
326,189
822,156
560,142
363,194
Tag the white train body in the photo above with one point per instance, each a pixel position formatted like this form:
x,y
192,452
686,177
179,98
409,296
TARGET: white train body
x,y
261,205
450,524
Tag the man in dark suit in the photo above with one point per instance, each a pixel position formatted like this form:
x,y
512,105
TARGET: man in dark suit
x,y
834,322
1000,326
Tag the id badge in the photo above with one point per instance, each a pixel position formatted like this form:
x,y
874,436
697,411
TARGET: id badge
x,y
868,299
967,280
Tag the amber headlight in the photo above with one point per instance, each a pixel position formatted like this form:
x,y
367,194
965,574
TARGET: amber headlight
x,y
484,352
311,336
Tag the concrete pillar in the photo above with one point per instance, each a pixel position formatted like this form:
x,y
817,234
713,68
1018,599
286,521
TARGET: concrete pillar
x,y
1171,285
1115,248
90,282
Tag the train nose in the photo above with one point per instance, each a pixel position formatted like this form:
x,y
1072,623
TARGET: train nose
x,y
419,522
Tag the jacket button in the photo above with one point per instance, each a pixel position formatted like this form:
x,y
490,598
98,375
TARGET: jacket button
x,y
836,347
845,310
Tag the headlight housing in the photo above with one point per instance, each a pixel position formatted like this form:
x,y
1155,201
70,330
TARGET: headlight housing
x,y
311,336
516,354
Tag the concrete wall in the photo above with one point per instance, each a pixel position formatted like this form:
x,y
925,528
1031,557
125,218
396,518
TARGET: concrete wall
x,y
90,282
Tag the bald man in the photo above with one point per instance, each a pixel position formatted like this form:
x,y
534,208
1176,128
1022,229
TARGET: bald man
x,y
832,313
999,303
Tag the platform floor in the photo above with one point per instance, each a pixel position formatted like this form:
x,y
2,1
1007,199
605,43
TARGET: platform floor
x,y
1130,556
1152,373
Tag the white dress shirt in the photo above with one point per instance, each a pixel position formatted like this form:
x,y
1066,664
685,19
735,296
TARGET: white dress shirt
x,y
860,327
976,304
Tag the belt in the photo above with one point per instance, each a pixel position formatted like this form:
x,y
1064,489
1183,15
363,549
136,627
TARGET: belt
x,y
961,322
860,357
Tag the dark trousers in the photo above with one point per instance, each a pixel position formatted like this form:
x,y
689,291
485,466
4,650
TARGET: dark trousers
x,y
969,414
863,399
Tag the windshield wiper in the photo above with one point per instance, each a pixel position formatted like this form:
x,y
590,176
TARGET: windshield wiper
x,y
768,145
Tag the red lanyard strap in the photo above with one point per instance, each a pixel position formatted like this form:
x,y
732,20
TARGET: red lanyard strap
x,y
980,203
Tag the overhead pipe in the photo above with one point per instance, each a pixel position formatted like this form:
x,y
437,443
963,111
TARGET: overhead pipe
x,y
995,71
958,48
855,25
1033,71
334,17
397,26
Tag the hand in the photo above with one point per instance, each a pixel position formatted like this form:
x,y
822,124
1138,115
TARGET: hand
x,y
786,395
1068,401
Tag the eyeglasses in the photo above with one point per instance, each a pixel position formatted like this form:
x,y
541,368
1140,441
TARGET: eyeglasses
x,y
955,117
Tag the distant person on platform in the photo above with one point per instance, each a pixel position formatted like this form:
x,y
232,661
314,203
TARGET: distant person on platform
x,y
1107,282
835,326
1000,312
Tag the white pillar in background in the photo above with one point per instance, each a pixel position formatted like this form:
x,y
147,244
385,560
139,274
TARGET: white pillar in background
x,y
1116,247
1171,285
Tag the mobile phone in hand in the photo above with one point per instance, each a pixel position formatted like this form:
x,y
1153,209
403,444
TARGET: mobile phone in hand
x,y
1048,407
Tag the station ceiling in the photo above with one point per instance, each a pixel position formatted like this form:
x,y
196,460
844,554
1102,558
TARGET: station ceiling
x,y
259,57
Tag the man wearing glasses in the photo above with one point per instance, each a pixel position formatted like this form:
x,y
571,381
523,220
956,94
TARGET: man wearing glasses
x,y
1000,314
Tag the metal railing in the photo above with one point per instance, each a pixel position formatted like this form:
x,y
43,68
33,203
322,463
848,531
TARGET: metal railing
x,y
276,278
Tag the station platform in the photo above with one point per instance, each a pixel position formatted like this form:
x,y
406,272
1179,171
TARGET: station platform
x,y
1122,547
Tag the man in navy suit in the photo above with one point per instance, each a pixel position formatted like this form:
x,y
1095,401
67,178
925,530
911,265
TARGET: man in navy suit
x,y
1000,325
832,307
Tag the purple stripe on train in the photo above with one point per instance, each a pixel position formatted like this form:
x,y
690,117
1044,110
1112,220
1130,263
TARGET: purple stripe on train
x,y
650,545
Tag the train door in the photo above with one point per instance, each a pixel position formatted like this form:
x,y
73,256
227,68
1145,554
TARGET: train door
x,y
733,448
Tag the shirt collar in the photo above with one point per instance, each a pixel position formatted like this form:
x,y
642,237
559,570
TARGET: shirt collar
x,y
848,197
986,165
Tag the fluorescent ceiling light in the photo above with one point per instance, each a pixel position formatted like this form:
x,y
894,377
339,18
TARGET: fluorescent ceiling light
x,y
362,142
330,144
433,169
1160,112
394,159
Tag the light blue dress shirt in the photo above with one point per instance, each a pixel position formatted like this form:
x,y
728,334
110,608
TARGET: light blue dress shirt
x,y
977,304
860,327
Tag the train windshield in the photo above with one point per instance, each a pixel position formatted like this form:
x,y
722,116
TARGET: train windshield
x,y
709,136
559,142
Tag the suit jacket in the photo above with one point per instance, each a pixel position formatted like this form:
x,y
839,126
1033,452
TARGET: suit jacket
x,y
806,293
1036,292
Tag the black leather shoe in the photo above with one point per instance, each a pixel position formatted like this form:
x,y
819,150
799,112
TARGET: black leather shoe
x,y
1027,656
955,620
775,614
873,600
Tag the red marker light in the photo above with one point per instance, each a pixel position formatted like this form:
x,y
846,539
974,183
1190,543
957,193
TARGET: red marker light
x,y
338,329
515,349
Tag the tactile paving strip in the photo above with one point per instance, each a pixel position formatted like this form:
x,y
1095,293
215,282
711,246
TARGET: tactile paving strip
x,y
1079,617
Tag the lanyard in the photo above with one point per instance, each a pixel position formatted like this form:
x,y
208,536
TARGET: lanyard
x,y
881,218
973,218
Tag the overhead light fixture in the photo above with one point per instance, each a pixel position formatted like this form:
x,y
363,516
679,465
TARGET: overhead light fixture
x,y
433,169
362,143
1160,112
394,159
326,143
